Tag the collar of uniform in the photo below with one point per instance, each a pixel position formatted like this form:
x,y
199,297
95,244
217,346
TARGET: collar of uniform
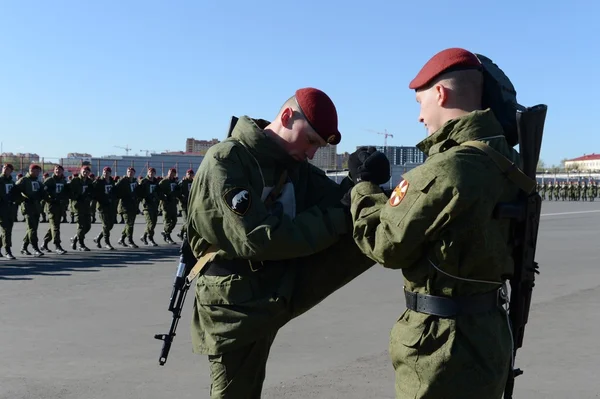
x,y
473,126
251,133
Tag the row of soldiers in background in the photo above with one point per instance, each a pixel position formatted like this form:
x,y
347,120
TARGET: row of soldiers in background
x,y
84,195
569,191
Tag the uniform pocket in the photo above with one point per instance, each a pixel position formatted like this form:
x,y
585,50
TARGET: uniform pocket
x,y
228,290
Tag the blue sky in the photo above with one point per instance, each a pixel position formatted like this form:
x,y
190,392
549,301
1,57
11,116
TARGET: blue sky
x,y
86,76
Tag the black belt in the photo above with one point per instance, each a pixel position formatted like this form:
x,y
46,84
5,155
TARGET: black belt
x,y
452,306
227,267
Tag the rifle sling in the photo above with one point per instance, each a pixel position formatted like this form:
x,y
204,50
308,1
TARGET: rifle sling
x,y
212,250
508,168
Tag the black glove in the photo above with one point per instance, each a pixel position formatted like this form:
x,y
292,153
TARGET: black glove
x,y
368,164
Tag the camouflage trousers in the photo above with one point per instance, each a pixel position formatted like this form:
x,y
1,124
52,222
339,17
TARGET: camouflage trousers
x,y
7,220
32,220
129,223
169,218
107,217
184,214
53,233
84,224
151,216
242,314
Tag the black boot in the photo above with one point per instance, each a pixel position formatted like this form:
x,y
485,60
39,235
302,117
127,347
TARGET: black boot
x,y
24,250
107,244
164,236
9,254
72,218
151,241
45,246
180,234
144,239
130,243
60,250
97,240
82,246
36,251
121,241
170,240
74,243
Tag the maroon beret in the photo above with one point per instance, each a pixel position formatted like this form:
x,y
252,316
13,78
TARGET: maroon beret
x,y
320,113
20,175
107,169
46,174
190,171
172,170
59,167
451,59
131,168
9,165
34,166
151,170
86,168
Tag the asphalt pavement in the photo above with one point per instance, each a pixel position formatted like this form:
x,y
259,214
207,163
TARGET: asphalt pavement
x,y
82,325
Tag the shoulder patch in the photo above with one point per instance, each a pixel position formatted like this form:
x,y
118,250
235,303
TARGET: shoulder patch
x,y
399,193
238,200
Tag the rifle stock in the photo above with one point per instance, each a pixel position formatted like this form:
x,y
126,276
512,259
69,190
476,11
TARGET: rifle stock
x,y
526,217
177,299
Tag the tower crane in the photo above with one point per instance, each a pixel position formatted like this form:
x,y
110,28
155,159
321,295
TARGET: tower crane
x,y
384,133
126,148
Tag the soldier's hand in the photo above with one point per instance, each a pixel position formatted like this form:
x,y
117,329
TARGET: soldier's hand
x,y
368,164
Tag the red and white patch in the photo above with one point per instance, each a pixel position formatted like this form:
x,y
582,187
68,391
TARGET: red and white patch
x,y
399,193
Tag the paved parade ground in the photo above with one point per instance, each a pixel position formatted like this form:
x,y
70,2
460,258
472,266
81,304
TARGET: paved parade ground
x,y
82,325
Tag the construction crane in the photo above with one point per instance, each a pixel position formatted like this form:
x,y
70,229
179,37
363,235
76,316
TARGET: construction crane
x,y
126,148
384,133
148,152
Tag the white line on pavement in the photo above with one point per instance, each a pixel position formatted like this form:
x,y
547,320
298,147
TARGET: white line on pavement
x,y
568,213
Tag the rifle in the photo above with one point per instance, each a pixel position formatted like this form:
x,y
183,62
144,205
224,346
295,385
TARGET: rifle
x,y
525,214
189,267
178,294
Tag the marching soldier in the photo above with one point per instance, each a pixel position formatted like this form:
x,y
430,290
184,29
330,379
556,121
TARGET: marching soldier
x,y
149,196
32,193
94,203
57,195
563,191
593,191
71,202
43,201
185,185
104,196
19,201
81,194
127,192
168,193
8,209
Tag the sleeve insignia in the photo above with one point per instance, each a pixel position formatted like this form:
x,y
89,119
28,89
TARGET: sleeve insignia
x,y
238,200
399,193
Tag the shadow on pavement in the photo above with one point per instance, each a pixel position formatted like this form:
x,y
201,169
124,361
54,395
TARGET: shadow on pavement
x,y
61,265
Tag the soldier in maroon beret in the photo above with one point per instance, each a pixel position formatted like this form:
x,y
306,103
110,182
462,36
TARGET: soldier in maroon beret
x,y
260,212
438,223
